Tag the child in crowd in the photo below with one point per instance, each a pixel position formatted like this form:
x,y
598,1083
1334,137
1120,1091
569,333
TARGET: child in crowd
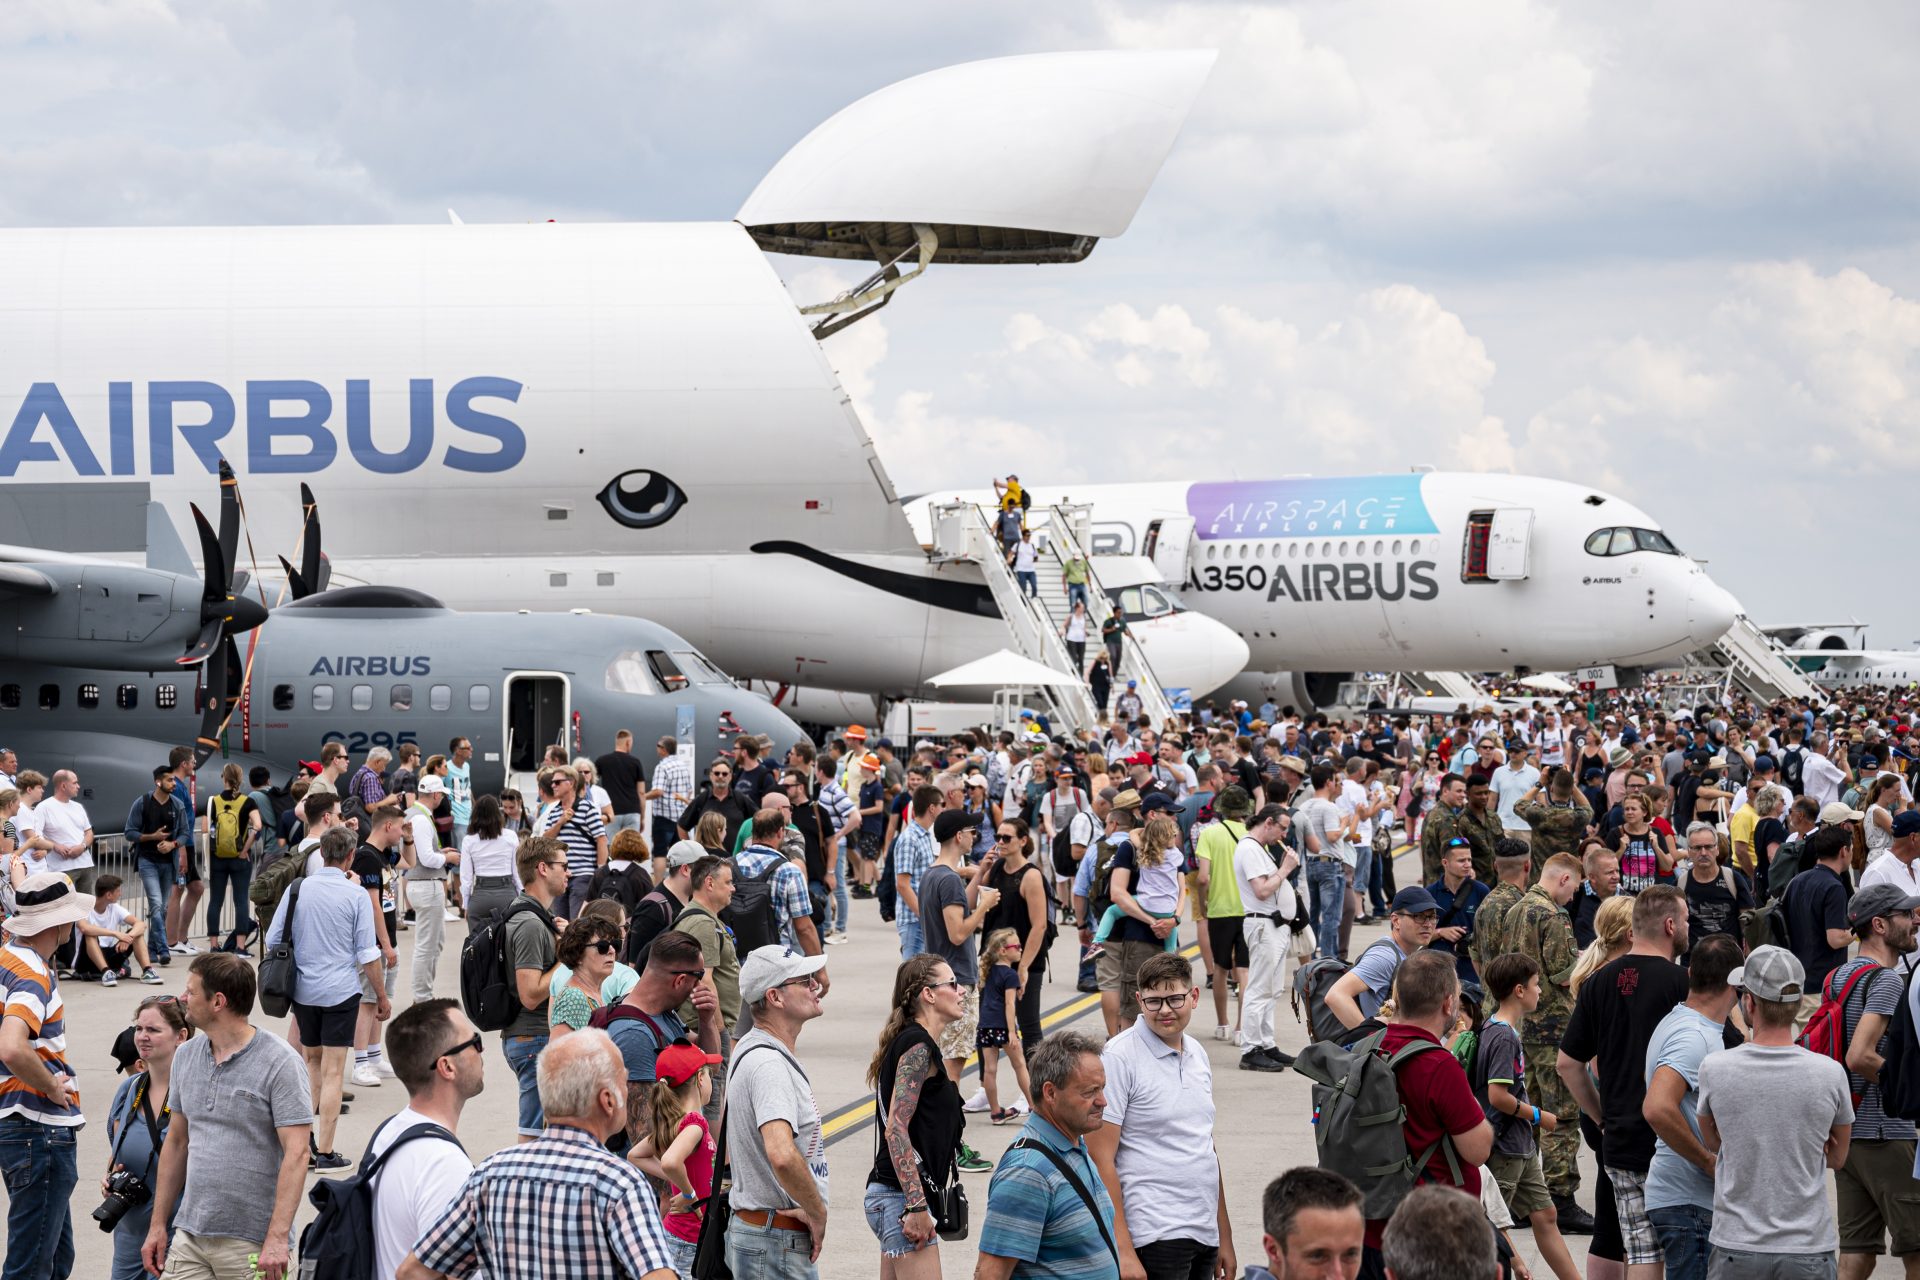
x,y
677,1147
1500,1082
1156,884
109,936
999,992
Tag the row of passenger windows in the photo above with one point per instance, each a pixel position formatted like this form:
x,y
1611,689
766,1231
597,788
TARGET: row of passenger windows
x,y
321,697
1255,550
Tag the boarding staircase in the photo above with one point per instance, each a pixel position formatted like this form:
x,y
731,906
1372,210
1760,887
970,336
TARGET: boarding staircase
x,y
963,531
1448,684
1759,663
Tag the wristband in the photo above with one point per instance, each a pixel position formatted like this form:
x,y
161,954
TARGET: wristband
x,y
915,1208
1536,1117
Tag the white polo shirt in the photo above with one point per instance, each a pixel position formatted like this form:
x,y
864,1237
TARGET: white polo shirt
x,y
1162,1099
64,822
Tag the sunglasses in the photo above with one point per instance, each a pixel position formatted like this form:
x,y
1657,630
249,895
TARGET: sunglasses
x,y
604,947
692,973
955,983
475,1043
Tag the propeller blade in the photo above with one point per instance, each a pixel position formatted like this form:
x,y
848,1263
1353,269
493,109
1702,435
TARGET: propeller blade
x,y
212,711
203,644
310,559
326,573
296,585
213,561
229,523
236,679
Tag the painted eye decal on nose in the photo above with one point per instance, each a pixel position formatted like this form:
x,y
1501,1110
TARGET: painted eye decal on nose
x,y
642,499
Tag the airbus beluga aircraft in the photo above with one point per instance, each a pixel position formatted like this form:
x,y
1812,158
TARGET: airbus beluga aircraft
x,y
1422,571
629,418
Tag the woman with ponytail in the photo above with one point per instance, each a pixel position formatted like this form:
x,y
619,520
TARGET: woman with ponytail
x,y
921,1118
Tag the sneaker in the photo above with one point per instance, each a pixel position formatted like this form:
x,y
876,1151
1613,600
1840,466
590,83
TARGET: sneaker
x,y
1254,1060
1006,1115
971,1161
1573,1219
163,961
835,939
184,949
978,1102
1066,915
1272,1054
1223,1033
364,1076
450,915
109,979
346,1096
328,1162
152,977
385,1072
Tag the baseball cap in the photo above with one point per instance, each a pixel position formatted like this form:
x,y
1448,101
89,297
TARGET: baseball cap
x,y
1066,771
311,766
1770,973
1134,684
125,1054
430,784
1411,901
1595,772
1878,900
885,742
952,822
1834,811
1140,757
1763,764
767,967
681,1060
685,853
1906,822
976,779
1869,762
1159,802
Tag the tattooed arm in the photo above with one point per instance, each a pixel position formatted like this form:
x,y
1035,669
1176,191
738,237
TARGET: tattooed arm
x,y
909,1080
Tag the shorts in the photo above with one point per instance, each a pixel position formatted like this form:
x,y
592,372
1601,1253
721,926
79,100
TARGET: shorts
x,y
1878,1197
368,995
990,1038
869,843
957,1040
116,958
886,1208
1229,938
193,864
1637,1236
1106,969
1522,1184
327,1026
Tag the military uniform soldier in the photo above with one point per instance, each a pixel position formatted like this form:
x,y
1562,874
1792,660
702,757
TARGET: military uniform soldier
x,y
1479,823
1442,826
1513,866
1538,927
1560,822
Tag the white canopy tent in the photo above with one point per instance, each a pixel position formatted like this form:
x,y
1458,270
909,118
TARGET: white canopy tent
x,y
1002,668
1547,683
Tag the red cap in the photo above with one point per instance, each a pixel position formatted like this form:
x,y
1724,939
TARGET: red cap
x,y
311,766
679,1062
1140,757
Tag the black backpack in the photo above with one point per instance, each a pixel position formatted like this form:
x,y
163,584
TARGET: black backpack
x,y
652,916
338,1243
751,914
1793,763
624,887
488,991
1900,1073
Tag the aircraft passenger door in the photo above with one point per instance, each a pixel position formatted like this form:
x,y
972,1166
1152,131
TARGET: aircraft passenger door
x,y
1167,544
1507,544
536,707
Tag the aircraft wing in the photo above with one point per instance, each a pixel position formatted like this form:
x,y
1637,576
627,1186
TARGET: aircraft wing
x,y
21,580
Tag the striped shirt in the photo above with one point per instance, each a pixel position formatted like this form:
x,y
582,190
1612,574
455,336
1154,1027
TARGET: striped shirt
x,y
833,801
580,834
33,996
673,776
1035,1217
559,1206
913,853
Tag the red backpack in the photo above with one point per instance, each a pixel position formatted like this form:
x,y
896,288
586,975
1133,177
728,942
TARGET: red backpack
x,y
1826,1030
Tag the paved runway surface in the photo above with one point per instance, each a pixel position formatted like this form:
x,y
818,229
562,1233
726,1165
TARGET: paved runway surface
x,y
1262,1125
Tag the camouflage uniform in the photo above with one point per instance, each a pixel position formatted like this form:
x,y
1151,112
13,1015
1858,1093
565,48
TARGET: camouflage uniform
x,y
1539,928
1556,828
1490,926
1442,825
1483,831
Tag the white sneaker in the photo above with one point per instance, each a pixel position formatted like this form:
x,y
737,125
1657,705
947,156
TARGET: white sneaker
x,y
838,938
1222,1033
365,1077
184,949
381,1069
978,1102
450,915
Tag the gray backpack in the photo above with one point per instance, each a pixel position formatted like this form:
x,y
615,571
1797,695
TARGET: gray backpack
x,y
1358,1113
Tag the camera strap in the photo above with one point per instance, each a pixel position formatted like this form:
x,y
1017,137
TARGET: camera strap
x,y
146,1113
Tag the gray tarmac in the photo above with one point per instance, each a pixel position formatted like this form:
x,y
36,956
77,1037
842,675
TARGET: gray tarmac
x,y
1262,1127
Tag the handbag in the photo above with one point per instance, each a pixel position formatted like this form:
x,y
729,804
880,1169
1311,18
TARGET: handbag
x,y
946,1201
278,974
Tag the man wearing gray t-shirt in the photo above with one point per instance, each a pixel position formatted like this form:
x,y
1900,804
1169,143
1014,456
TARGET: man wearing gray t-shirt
x,y
774,1142
242,1121
1776,1118
1326,842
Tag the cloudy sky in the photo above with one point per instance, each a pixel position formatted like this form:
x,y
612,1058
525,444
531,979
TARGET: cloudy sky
x,y
1669,250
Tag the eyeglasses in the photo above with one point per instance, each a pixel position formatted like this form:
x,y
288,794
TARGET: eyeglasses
x,y
475,1043
604,947
553,862
808,982
720,773
692,973
1163,1004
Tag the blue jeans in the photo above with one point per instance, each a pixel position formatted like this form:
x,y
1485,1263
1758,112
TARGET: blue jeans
x,y
624,822
41,1168
1077,591
156,881
523,1055
1683,1230
1326,900
842,904
237,872
886,1210
1029,581
913,938
128,1236
769,1252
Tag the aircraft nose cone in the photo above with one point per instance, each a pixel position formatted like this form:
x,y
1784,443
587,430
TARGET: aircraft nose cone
x,y
244,613
1711,610
1191,651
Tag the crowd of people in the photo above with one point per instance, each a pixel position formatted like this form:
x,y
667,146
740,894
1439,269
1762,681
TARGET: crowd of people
x,y
1681,938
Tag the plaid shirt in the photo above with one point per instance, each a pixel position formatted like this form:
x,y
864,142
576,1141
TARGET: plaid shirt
x,y
913,853
366,784
559,1206
790,898
672,775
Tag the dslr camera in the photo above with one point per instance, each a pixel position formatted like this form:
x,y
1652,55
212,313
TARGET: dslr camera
x,y
125,1191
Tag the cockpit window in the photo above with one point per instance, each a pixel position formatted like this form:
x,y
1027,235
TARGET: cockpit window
x,y
667,670
629,673
1157,604
1618,542
698,669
